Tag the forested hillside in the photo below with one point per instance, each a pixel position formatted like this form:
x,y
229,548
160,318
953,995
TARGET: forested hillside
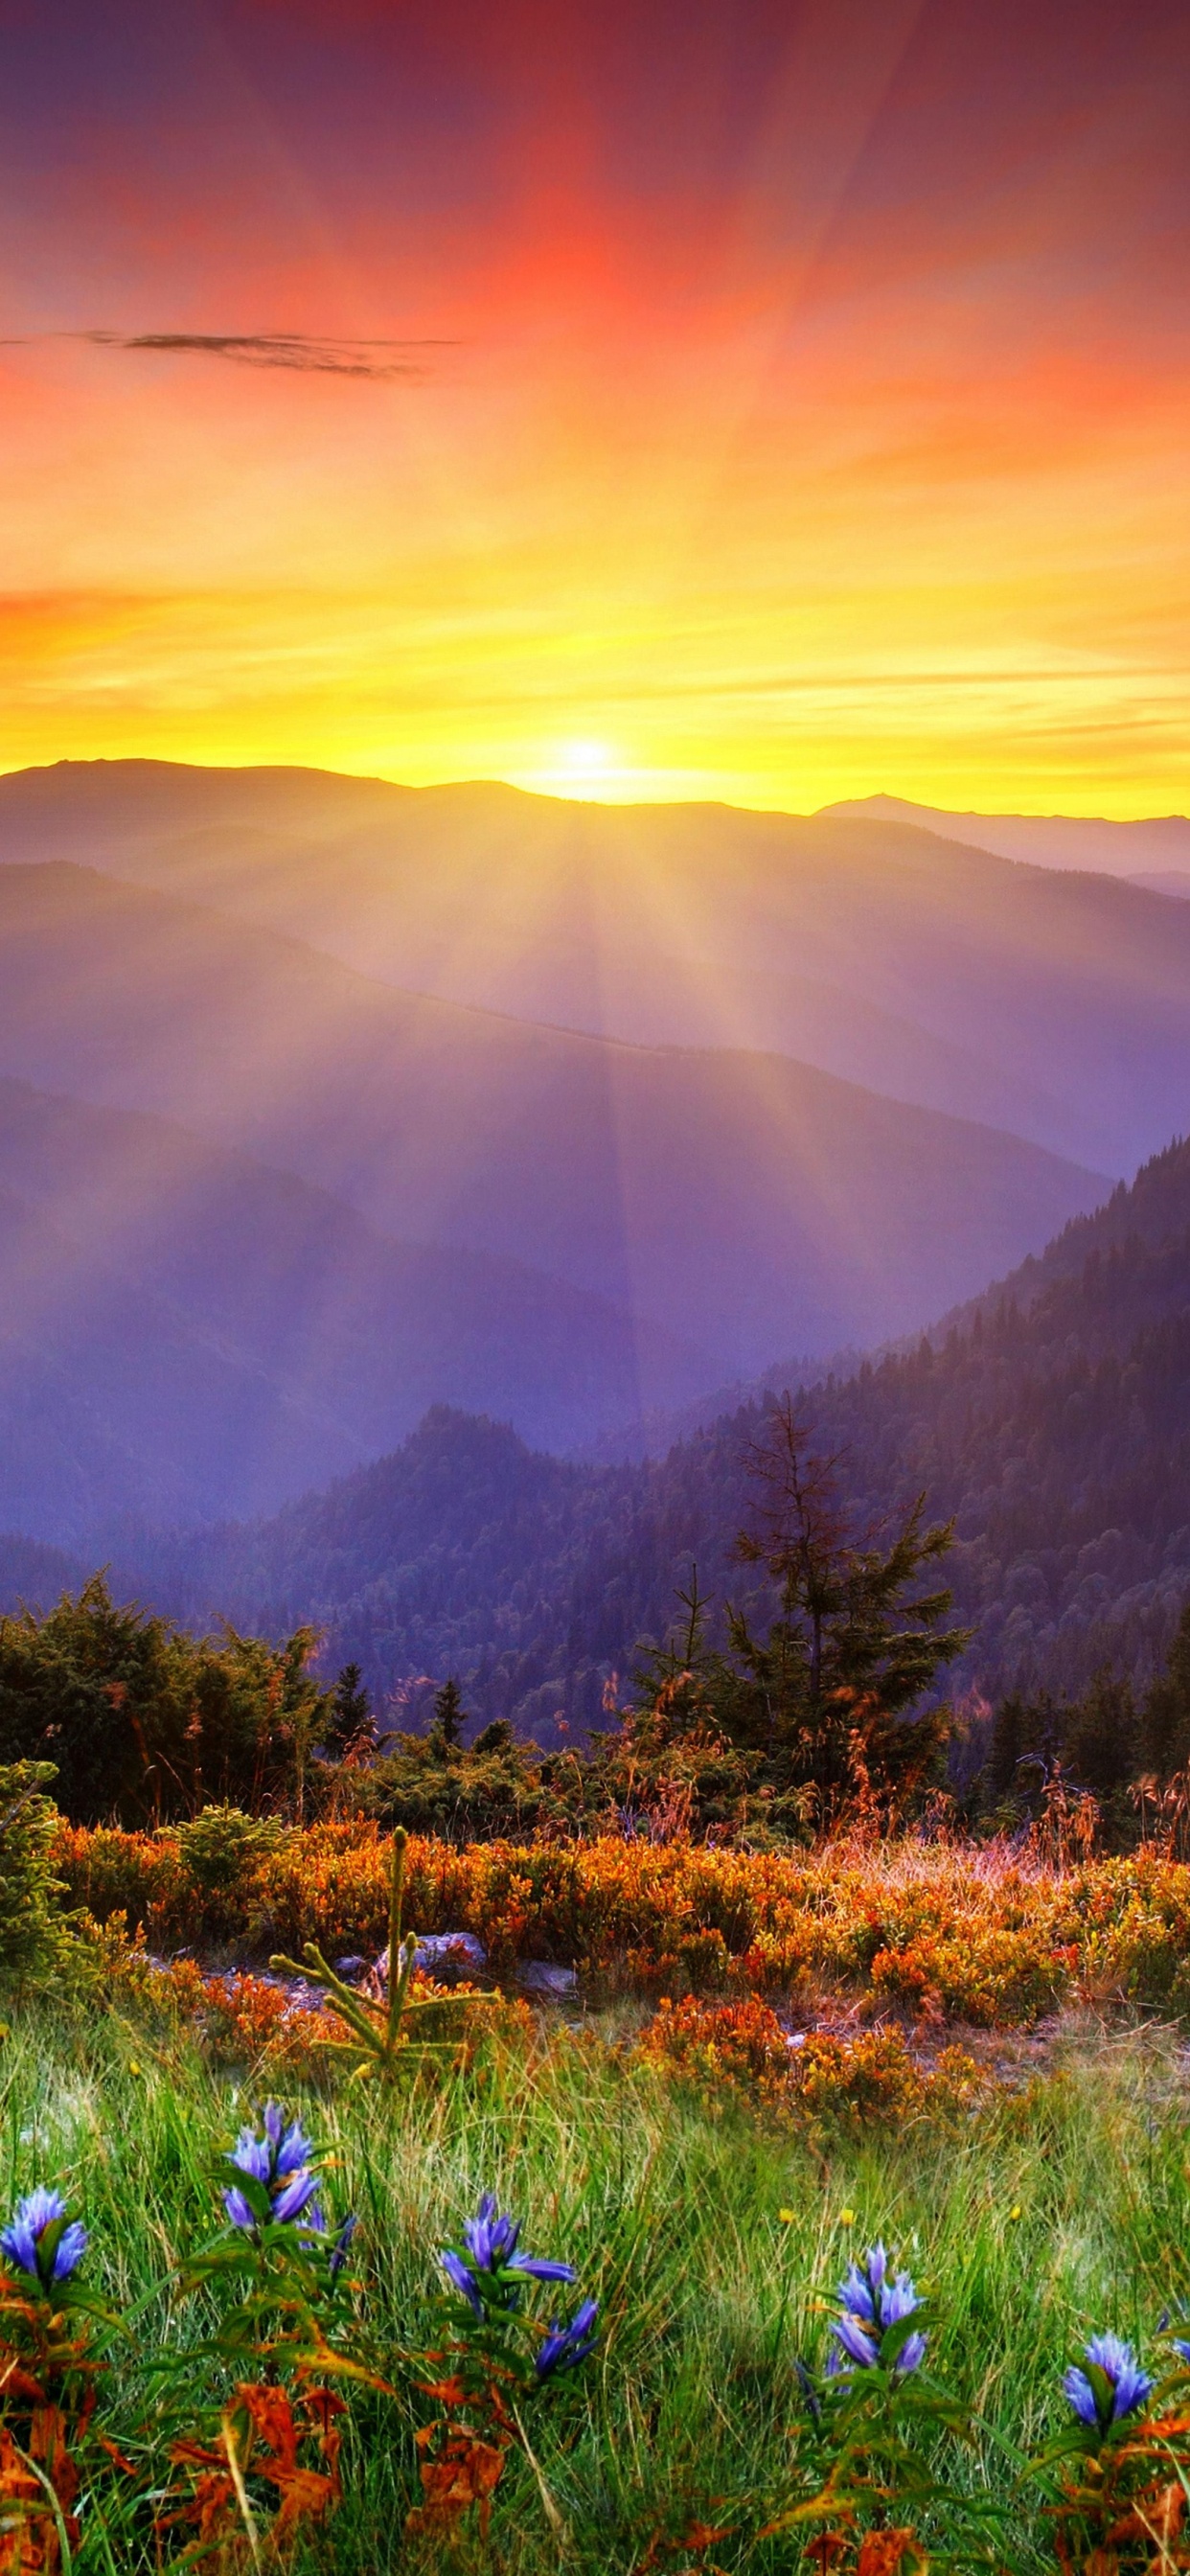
x,y
1052,1420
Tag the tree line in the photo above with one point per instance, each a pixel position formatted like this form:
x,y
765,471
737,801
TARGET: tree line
x,y
829,1705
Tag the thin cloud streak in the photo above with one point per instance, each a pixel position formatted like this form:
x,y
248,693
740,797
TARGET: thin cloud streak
x,y
294,352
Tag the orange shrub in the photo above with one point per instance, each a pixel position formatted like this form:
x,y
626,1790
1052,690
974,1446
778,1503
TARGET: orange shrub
x,y
831,2083
1003,1979
932,1929
739,2045
850,2084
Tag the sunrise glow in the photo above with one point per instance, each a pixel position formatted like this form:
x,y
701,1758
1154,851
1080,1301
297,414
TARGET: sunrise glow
x,y
774,405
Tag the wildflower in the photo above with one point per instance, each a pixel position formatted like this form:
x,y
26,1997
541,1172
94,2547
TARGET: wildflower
x,y
462,2277
871,2303
492,2243
846,2218
1118,2385
566,2346
38,2242
278,2161
339,2250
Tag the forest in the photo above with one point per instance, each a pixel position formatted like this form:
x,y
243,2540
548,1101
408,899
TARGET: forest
x,y
1050,1420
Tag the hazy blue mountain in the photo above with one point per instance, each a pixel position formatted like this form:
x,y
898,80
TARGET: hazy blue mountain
x,y
1088,843
730,1204
185,1333
1052,1419
1039,999
1174,881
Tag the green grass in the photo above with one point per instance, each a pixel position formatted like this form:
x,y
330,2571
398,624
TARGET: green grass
x,y
1062,2210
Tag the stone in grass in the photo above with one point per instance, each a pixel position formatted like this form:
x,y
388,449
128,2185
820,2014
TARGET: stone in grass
x,y
541,1977
445,1956
353,1966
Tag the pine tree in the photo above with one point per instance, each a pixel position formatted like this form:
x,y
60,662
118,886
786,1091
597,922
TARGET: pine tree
x,y
827,1695
1165,1723
450,1717
350,1714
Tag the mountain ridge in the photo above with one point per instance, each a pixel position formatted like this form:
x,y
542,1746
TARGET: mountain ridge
x,y
1047,1002
278,1332
1056,1432
744,1201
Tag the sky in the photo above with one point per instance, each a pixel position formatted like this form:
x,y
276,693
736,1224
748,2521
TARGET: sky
x,y
768,400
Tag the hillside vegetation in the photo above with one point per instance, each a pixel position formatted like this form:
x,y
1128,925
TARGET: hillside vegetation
x,y
1052,1420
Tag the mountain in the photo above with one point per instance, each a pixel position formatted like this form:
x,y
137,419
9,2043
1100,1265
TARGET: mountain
x,y
1039,999
1089,843
1174,881
1052,1419
186,1333
728,1204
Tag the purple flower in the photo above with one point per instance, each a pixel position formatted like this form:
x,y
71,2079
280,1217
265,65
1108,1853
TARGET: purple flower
x,y
489,2252
871,2304
1119,2387
566,2346
339,2250
463,2278
296,2196
35,2220
295,2149
253,2155
491,2240
277,2160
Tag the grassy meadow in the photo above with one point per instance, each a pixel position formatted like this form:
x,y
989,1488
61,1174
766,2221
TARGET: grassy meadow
x,y
708,2226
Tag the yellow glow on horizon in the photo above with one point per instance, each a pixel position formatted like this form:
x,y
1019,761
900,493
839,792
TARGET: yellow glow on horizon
x,y
836,446
765,640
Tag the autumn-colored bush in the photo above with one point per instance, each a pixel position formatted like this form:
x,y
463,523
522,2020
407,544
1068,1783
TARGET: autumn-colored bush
x,y
869,2078
830,2082
924,1930
741,2045
260,2021
1004,1978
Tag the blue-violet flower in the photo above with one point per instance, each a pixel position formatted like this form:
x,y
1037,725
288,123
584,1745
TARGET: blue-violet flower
x,y
1127,2384
492,2241
871,2303
566,2346
23,2240
278,2160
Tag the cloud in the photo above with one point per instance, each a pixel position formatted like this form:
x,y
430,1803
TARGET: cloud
x,y
295,352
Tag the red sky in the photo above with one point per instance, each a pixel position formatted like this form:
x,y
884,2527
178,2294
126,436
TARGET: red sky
x,y
769,402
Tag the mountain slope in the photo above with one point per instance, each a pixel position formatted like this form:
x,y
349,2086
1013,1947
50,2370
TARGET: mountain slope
x,y
733,1203
1055,1004
185,1333
1053,1422
1160,845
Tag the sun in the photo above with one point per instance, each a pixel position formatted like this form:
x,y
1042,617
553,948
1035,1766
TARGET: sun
x,y
586,759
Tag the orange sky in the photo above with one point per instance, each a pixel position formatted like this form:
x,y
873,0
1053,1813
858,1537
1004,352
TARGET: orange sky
x,y
789,402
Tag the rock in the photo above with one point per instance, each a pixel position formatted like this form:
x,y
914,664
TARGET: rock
x,y
446,1956
350,1968
541,1977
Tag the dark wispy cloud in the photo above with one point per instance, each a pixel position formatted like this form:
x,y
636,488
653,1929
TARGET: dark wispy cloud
x,y
295,352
